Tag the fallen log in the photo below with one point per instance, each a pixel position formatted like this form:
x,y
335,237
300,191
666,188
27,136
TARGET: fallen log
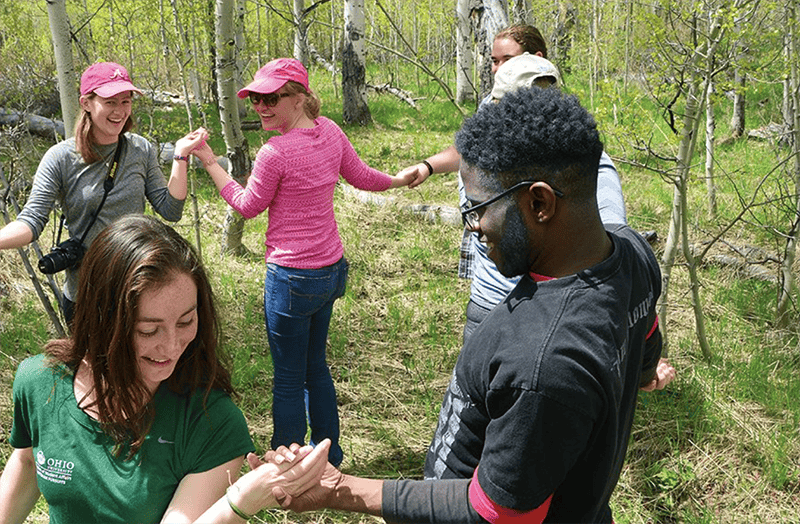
x,y
36,125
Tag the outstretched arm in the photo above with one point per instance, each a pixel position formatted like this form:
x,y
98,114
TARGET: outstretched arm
x,y
18,489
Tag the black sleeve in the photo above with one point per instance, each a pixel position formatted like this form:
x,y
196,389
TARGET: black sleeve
x,y
652,354
428,501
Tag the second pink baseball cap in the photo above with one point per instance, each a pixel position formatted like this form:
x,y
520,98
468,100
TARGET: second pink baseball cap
x,y
274,75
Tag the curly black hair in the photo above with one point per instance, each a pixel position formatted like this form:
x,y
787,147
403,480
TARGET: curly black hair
x,y
534,133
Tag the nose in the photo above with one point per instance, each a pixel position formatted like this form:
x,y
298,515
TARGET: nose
x,y
172,344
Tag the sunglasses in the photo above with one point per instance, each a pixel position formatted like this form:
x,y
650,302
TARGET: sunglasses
x,y
269,99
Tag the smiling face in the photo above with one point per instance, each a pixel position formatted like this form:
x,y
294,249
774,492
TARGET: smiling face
x,y
281,117
166,323
501,226
108,115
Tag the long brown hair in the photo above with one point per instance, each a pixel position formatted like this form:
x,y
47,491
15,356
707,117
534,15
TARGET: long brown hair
x,y
85,143
135,254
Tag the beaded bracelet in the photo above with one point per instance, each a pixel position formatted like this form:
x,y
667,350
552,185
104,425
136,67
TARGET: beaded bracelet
x,y
234,507
429,166
179,157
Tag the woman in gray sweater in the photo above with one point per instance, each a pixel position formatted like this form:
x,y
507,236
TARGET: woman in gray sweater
x,y
73,172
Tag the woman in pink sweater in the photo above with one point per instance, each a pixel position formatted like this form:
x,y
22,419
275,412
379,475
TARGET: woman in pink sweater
x,y
293,178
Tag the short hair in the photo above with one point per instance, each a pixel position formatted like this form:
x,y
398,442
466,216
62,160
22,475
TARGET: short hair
x,y
528,37
534,133
135,254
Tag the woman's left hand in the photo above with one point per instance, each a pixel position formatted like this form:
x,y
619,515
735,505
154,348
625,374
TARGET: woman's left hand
x,y
197,138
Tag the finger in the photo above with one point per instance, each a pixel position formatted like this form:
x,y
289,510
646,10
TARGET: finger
x,y
253,461
281,497
286,453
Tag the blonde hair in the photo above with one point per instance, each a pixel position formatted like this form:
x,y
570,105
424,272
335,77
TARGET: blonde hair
x,y
312,104
85,143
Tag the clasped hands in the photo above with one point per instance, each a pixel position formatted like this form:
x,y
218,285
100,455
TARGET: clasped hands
x,y
319,477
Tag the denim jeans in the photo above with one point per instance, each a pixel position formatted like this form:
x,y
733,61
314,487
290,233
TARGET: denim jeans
x,y
297,308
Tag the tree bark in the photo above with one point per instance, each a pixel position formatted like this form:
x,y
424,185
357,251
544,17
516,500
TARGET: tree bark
x,y
59,29
235,141
790,251
739,104
354,89
488,18
465,86
711,126
300,32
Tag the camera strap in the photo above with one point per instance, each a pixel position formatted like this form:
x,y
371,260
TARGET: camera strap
x,y
113,169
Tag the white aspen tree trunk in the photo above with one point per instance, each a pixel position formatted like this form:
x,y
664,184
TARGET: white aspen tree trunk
x,y
521,12
300,32
465,85
679,220
182,57
239,42
354,87
488,17
711,126
59,29
235,141
739,104
790,253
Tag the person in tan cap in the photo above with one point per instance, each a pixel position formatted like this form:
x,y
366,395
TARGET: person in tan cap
x,y
519,58
76,173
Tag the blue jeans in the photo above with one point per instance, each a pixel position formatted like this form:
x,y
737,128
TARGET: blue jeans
x,y
297,308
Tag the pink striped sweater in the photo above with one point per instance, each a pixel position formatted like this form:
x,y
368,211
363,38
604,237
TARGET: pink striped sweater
x,y
294,177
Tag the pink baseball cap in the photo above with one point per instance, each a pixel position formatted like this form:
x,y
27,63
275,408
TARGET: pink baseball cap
x,y
106,79
274,75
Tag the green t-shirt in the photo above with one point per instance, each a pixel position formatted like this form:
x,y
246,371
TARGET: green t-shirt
x,y
76,470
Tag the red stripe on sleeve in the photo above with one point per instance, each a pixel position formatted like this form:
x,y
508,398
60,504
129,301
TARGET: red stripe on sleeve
x,y
497,514
653,329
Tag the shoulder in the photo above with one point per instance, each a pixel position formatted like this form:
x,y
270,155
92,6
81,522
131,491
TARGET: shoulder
x,y
37,370
64,150
626,237
326,125
138,143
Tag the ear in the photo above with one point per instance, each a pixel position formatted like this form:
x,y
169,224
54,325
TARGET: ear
x,y
84,103
541,202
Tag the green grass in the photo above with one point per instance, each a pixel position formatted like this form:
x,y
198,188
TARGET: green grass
x,y
719,446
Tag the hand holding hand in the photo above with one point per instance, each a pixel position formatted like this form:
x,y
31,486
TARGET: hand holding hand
x,y
316,497
185,145
665,374
254,491
417,172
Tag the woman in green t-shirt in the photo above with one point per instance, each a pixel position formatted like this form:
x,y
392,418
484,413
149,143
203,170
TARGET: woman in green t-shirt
x,y
131,418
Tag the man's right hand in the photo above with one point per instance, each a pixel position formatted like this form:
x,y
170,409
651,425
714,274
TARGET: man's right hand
x,y
315,498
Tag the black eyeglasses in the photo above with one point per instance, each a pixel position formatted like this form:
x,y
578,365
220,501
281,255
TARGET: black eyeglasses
x,y
470,215
269,99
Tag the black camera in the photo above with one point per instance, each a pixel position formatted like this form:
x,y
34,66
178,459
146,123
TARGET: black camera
x,y
66,254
